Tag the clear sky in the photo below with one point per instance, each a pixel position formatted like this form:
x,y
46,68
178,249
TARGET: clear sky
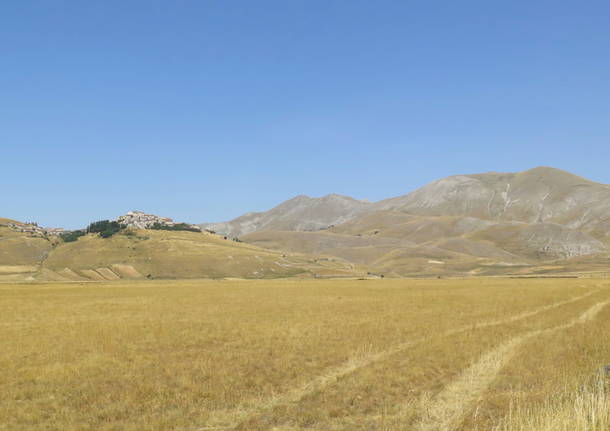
x,y
203,110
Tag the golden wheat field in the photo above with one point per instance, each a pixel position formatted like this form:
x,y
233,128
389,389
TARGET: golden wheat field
x,y
470,354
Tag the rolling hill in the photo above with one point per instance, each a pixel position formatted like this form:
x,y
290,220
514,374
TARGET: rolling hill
x,y
135,254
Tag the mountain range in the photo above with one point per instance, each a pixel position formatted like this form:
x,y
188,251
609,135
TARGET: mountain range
x,y
542,219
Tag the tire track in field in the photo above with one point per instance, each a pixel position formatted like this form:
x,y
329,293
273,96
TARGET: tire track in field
x,y
238,416
525,314
448,408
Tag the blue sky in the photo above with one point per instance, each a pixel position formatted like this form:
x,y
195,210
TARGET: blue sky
x,y
203,110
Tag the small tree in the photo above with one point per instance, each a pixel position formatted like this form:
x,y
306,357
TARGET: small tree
x,y
105,228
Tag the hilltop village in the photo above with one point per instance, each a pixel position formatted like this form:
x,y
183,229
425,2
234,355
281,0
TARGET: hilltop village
x,y
131,220
141,220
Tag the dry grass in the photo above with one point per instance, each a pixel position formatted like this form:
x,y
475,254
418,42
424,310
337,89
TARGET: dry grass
x,y
291,354
586,409
554,382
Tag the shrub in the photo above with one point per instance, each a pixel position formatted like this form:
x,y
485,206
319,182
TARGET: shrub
x,y
72,236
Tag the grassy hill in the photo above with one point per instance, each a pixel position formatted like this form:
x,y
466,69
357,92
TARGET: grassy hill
x,y
151,254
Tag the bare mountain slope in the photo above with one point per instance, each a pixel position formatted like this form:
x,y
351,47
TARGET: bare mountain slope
x,y
537,195
300,213
465,222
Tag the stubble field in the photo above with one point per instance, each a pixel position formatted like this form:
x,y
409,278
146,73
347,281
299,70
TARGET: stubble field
x,y
486,354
